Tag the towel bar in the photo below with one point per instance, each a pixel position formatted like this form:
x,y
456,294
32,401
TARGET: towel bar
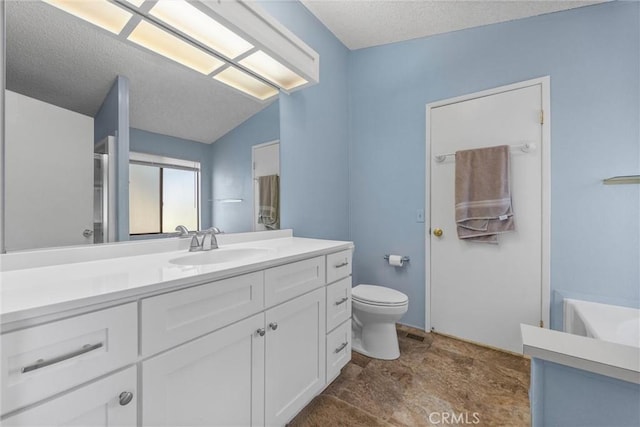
x,y
627,179
525,148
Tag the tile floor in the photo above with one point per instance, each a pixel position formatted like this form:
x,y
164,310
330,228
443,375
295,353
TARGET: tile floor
x,y
438,381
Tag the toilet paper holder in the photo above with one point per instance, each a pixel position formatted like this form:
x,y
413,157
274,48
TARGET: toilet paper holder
x,y
404,258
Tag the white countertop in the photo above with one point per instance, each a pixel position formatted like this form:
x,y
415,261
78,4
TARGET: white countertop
x,y
601,357
45,290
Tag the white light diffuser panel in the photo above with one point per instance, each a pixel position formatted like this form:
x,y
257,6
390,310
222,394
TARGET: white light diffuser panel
x,y
272,70
246,83
137,3
101,13
193,22
159,41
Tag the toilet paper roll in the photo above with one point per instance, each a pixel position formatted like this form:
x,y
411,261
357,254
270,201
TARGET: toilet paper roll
x,y
396,260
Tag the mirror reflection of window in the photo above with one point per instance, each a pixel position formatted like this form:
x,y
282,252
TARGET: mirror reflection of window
x,y
180,206
163,193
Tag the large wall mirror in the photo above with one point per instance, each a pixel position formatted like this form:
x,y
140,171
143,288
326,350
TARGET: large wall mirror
x,y
66,82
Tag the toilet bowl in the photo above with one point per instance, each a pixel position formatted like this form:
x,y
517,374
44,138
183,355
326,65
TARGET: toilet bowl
x,y
376,309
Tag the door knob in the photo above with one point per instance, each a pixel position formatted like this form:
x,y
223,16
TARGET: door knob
x,y
87,233
125,397
437,232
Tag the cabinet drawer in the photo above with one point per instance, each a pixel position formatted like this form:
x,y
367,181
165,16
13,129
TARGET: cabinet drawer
x,y
44,360
95,404
176,317
338,349
339,265
338,303
290,280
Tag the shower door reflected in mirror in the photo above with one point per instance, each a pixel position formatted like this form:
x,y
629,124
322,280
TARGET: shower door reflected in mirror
x,y
104,198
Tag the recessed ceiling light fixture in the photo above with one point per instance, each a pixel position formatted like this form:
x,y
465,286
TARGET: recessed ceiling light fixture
x,y
101,13
246,83
136,2
207,36
264,65
160,41
196,24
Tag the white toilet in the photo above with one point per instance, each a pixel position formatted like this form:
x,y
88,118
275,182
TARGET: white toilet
x,y
376,310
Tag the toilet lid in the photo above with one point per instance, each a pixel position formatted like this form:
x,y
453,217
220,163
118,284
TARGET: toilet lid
x,y
378,295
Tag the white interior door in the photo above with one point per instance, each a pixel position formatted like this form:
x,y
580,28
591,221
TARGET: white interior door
x,y
482,292
266,161
50,202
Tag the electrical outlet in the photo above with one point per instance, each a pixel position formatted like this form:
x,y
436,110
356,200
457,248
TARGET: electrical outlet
x,y
420,215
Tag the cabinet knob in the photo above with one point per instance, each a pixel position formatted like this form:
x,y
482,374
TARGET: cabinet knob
x,y
273,325
260,332
125,397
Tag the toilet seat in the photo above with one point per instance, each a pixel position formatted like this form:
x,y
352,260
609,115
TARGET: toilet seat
x,y
378,296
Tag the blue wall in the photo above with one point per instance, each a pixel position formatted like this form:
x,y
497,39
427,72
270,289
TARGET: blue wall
x,y
593,57
142,141
564,396
314,149
232,169
113,119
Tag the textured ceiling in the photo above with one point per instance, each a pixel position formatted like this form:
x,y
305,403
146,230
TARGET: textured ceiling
x,y
67,62
365,23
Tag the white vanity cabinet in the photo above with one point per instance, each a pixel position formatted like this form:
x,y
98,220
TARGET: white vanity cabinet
x,y
251,348
258,371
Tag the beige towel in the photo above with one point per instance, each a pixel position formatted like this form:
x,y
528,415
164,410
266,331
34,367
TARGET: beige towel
x,y
483,194
269,201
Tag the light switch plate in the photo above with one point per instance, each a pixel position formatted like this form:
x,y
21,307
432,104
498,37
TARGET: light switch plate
x,y
420,215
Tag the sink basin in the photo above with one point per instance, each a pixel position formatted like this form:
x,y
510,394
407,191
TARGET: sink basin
x,y
219,256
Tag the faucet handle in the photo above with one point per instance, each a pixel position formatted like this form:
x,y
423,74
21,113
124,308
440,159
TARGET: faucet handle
x,y
195,245
182,231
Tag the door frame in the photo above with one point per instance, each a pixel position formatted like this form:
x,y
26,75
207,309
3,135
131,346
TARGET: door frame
x,y
545,151
254,179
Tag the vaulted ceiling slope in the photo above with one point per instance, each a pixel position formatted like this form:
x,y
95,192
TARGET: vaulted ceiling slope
x,y
62,60
366,23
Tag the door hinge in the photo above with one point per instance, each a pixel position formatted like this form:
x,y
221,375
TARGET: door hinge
x,y
542,324
541,117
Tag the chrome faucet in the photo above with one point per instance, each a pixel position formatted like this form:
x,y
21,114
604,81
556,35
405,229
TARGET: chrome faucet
x,y
199,240
183,231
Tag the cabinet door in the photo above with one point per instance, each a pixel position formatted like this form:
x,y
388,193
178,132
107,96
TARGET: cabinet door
x,y
100,403
295,355
216,380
